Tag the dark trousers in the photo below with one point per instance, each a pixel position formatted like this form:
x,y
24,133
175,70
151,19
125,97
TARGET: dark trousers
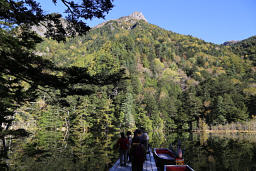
x,y
129,158
123,156
137,166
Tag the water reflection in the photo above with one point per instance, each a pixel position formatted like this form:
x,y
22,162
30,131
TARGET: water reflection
x,y
51,150
215,152
56,150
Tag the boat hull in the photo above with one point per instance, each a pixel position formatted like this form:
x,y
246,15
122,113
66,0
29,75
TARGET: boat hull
x,y
164,156
177,168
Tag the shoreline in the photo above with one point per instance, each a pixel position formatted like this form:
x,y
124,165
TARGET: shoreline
x,y
226,131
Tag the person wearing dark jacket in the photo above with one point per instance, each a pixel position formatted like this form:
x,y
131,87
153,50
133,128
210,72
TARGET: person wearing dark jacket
x,y
138,152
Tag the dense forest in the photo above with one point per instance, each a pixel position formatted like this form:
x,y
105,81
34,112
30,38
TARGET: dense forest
x,y
66,91
171,81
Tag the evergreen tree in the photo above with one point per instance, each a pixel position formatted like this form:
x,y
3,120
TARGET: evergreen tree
x,y
21,71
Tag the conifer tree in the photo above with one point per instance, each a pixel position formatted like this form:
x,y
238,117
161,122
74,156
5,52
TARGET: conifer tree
x,y
21,70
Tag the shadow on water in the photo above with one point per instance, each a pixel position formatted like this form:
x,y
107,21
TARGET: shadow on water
x,y
56,150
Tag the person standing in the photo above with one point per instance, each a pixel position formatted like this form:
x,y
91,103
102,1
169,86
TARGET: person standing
x,y
123,145
129,137
138,152
145,139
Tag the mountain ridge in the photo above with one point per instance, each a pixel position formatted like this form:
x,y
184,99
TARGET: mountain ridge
x,y
135,16
175,81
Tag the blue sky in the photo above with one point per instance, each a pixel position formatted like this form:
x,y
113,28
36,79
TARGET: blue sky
x,y
214,21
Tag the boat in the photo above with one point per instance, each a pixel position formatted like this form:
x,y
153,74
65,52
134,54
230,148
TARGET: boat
x,y
164,156
177,168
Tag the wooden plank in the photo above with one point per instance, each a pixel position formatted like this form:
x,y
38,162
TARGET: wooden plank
x,y
118,167
113,168
149,164
152,161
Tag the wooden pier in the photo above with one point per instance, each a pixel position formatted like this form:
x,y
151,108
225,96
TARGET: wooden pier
x,y
149,164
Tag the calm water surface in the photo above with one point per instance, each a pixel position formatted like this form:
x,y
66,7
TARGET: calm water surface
x,y
51,150
216,152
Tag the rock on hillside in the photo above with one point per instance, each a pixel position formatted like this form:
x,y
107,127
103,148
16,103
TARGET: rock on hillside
x,y
229,43
138,16
41,28
135,16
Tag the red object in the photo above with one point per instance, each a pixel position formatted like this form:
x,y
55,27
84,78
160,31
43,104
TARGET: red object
x,y
123,143
177,168
161,152
179,161
164,156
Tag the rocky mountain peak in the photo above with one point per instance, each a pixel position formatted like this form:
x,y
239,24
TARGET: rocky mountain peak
x,y
132,19
138,16
231,42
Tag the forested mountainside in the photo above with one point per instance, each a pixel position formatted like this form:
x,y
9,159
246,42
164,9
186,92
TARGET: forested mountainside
x,y
246,49
172,81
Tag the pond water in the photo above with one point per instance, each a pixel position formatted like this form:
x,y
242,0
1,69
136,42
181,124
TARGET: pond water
x,y
51,150
215,152
58,151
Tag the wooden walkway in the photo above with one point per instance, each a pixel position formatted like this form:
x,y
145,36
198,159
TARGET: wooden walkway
x,y
149,164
